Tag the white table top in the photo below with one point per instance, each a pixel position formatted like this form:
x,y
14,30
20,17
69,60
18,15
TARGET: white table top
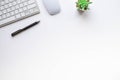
x,y
67,46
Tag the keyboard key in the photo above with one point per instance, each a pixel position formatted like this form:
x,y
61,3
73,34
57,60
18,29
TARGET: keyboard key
x,y
18,16
8,14
31,1
31,6
22,14
0,13
7,20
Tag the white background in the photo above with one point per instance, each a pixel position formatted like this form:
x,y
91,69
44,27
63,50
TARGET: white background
x,y
67,46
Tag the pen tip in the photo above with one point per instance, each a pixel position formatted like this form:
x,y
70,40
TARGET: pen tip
x,y
38,21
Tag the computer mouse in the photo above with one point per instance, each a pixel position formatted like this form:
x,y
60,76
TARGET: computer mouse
x,y
52,6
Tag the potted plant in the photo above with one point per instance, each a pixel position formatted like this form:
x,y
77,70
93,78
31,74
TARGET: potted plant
x,y
83,5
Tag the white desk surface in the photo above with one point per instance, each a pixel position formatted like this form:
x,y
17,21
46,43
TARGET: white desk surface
x,y
68,46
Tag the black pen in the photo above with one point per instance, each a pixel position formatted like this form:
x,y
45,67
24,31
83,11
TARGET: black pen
x,y
21,30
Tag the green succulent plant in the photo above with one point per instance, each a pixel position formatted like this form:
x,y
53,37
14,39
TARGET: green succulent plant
x,y
83,4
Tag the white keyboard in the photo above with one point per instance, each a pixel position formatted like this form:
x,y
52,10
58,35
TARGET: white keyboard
x,y
15,10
